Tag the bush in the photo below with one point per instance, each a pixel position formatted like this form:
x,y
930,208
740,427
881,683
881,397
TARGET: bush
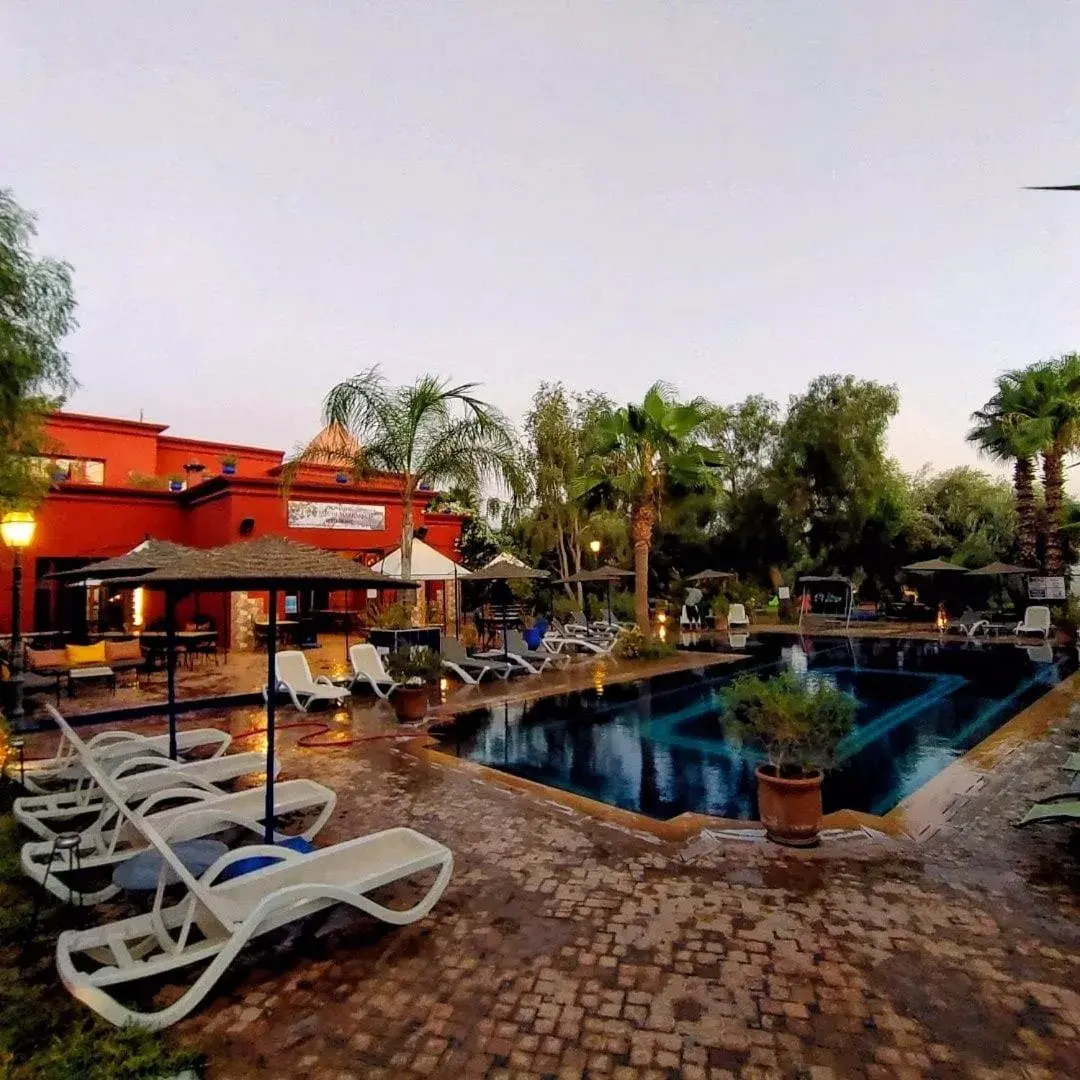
x,y
418,666
799,722
393,617
632,644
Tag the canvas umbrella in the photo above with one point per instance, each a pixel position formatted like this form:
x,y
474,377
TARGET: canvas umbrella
x,y
711,575
1000,569
507,569
268,564
606,573
933,566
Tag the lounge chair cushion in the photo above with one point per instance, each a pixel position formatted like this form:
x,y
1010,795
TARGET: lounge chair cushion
x,y
46,659
85,654
122,650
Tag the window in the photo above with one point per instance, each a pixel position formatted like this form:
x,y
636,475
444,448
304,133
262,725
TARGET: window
x,y
80,470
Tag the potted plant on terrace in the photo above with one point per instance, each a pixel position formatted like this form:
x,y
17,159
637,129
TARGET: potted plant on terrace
x,y
416,671
798,722
176,482
228,465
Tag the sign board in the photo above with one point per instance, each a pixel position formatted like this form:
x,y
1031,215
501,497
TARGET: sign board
x,y
1046,588
784,592
328,515
291,606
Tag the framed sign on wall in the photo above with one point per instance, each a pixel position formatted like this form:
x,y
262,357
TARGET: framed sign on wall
x,y
333,515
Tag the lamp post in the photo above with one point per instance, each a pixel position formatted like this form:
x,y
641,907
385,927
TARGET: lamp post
x,y
17,532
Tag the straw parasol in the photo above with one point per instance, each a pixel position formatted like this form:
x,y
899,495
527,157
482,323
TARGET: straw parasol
x,y
606,573
711,575
271,563
507,568
150,555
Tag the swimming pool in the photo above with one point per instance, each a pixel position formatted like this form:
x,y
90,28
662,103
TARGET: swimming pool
x,y
658,746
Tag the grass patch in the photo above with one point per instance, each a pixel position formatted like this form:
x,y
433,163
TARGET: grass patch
x,y
44,1033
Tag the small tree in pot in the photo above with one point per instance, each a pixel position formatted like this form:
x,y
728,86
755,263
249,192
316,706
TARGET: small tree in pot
x,y
799,722
416,671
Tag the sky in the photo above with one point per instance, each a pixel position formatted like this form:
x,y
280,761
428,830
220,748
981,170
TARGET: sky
x,y
261,198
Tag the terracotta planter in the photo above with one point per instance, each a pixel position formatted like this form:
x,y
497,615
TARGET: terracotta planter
x,y
790,809
410,703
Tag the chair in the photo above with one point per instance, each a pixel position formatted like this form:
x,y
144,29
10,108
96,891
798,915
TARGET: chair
x,y
135,778
109,840
221,912
110,748
736,616
467,669
1036,621
517,653
969,624
294,677
367,666
543,656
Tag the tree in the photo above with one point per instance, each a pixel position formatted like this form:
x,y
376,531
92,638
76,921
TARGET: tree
x,y
1055,390
743,436
429,433
830,467
970,516
637,456
1004,430
37,310
557,427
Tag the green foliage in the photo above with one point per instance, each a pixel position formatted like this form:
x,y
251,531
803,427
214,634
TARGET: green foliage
x,y
744,436
397,616
37,311
632,644
415,666
966,513
798,721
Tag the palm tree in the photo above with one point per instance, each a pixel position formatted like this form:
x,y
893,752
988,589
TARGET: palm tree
x,y
1055,387
429,433
1004,430
636,455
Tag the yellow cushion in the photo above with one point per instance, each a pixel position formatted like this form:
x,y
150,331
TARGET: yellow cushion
x,y
86,654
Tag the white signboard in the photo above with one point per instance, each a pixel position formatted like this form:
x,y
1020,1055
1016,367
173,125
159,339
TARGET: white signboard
x,y
327,515
784,592
1046,588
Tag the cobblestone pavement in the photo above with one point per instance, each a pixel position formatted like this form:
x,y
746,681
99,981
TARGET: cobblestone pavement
x,y
568,948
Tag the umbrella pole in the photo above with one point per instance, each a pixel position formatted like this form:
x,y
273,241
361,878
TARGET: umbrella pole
x,y
457,606
271,704
506,647
170,667
609,618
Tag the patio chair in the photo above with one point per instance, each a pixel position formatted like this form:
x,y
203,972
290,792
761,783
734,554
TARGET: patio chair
x,y
465,667
294,678
597,646
136,778
531,661
1036,621
736,616
226,907
111,747
542,656
110,840
969,624
367,666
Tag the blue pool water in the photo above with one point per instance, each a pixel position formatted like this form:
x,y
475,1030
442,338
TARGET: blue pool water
x,y
658,746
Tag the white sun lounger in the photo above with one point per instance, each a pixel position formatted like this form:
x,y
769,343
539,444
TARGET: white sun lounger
x,y
1036,621
736,616
367,666
216,918
135,779
294,678
466,668
65,768
111,840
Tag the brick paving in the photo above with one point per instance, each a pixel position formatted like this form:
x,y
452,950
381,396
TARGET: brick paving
x,y
570,948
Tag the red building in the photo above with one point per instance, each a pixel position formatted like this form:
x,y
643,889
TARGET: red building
x,y
116,482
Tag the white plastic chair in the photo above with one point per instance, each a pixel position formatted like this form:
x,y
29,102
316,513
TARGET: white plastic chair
x,y
294,677
367,666
1036,620
736,616
219,914
136,779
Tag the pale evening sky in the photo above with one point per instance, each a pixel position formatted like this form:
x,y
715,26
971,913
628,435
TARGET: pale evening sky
x,y
260,198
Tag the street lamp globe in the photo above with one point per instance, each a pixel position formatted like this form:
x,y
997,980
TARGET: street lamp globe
x,y
594,546
17,529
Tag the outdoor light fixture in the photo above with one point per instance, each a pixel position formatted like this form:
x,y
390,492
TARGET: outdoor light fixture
x,y
138,598
661,618
594,546
17,531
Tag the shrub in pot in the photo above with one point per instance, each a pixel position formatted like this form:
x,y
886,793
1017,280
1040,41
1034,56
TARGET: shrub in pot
x,y
416,671
228,465
798,722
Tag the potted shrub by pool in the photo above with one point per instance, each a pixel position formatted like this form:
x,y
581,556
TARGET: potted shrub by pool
x,y
416,670
798,722
228,465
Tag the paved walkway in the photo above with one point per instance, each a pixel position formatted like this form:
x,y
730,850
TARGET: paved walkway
x,y
569,948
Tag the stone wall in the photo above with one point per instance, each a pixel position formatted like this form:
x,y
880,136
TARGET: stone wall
x,y
245,609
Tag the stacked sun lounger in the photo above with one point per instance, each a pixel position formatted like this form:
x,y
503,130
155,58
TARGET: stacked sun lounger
x,y
115,812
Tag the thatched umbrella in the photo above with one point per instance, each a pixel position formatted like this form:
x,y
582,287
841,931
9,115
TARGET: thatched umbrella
x,y
507,569
606,573
150,555
270,563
